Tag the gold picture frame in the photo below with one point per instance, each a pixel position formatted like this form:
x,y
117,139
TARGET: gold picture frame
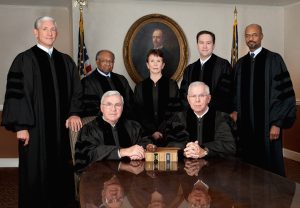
x,y
138,42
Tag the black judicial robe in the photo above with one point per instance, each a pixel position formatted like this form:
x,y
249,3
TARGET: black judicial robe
x,y
264,97
95,85
218,75
41,93
165,95
213,131
97,141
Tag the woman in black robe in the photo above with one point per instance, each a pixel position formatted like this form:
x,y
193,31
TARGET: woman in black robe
x,y
156,99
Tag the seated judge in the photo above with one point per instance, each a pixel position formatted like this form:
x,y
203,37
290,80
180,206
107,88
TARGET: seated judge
x,y
109,137
156,99
103,79
209,130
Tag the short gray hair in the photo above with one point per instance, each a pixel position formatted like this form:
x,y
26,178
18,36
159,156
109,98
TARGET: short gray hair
x,y
198,83
39,21
111,93
104,50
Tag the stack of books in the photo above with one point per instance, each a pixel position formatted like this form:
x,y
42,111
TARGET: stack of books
x,y
163,159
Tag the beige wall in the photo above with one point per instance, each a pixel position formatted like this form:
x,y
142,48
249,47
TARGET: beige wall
x,y
292,44
16,33
107,22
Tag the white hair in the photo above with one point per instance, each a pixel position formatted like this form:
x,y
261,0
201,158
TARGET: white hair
x,y
198,83
111,93
39,21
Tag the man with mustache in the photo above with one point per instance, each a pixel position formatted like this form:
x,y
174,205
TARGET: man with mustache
x,y
265,103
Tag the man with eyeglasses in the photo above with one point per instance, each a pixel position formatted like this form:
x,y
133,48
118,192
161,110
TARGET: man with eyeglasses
x,y
110,137
102,79
265,103
209,130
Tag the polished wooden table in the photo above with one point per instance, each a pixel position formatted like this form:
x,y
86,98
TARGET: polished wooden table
x,y
189,183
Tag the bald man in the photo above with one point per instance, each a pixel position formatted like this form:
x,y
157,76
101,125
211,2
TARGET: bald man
x,y
265,103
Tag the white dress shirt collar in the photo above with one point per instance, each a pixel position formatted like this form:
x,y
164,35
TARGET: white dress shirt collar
x,y
205,60
103,74
203,113
257,51
47,50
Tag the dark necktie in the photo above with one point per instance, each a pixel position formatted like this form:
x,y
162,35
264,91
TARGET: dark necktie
x,y
252,55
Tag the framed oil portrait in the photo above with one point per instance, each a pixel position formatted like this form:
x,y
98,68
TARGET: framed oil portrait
x,y
155,31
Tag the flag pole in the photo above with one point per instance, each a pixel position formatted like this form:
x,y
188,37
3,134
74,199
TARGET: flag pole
x,y
234,49
83,64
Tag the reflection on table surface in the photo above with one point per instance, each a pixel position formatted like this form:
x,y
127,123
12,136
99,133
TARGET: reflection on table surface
x,y
189,183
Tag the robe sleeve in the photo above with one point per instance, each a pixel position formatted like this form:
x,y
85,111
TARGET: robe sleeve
x,y
184,86
76,89
91,96
224,94
139,108
90,147
135,130
128,100
18,111
282,99
224,143
175,132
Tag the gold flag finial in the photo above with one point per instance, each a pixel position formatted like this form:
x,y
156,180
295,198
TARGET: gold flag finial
x,y
235,11
81,3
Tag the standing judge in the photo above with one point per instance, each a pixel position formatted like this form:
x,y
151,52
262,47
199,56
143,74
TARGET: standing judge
x,y
265,103
42,99
103,79
156,99
213,70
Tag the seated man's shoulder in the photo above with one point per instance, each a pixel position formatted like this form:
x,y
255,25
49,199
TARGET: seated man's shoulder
x,y
131,123
120,76
91,124
89,77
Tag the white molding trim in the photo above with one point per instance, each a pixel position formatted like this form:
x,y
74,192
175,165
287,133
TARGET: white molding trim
x,y
290,154
9,162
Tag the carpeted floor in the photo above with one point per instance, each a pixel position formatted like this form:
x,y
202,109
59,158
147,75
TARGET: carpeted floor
x,y
9,183
8,187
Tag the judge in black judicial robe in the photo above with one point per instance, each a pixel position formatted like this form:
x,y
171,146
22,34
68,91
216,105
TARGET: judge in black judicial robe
x,y
209,131
102,79
265,100
214,71
109,137
41,93
156,100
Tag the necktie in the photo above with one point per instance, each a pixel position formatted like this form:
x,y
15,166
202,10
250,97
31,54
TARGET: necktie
x,y
50,52
252,55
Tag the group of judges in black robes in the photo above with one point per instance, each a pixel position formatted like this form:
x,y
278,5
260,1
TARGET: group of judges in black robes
x,y
44,97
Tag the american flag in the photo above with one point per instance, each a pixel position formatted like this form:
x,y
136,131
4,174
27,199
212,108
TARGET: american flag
x,y
83,64
235,44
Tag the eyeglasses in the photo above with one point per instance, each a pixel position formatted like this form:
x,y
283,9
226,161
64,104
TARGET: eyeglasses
x,y
107,62
112,106
200,96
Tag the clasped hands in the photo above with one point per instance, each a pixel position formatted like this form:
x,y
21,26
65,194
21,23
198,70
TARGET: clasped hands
x,y
193,150
136,152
